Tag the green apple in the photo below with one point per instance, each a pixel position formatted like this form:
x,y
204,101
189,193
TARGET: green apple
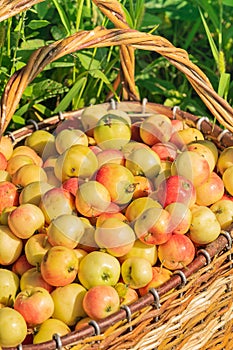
x,y
68,303
76,161
69,137
223,209
142,250
136,272
48,328
9,285
112,131
11,246
13,328
98,268
143,161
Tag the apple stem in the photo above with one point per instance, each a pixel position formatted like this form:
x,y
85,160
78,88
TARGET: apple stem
x,y
131,188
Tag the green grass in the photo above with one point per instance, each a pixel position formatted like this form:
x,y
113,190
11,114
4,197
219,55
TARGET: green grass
x,y
201,27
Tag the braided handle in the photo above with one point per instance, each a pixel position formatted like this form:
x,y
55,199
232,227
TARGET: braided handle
x,y
9,8
129,40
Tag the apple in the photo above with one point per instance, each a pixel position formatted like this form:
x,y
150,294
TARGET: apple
x,y
32,192
80,253
42,142
87,241
143,161
16,162
177,124
116,236
35,248
90,117
21,265
48,328
98,268
9,283
192,166
3,161
205,151
133,146
143,186
83,322
135,131
175,188
138,206
76,161
59,266
160,276
121,114
156,128
11,246
92,198
210,191
4,215
177,252
29,173
33,278
25,220
112,132
65,230
164,173
126,294
165,150
183,137
212,146
142,250
181,217
101,301
13,328
110,156
4,176
225,159
205,227
118,180
227,178
55,202
153,226
136,272
69,137
68,303
223,210
71,185
35,304
109,214
9,195
23,150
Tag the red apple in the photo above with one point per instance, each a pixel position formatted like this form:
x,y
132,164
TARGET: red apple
x,y
25,220
9,195
143,186
127,295
192,166
165,151
59,266
35,304
156,128
101,301
210,191
21,265
175,188
3,161
153,226
177,252
160,276
71,185
118,180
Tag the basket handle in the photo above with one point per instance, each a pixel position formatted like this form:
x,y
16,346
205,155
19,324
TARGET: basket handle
x,y
11,8
102,37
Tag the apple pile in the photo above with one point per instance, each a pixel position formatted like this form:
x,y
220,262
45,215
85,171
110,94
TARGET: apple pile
x,y
97,213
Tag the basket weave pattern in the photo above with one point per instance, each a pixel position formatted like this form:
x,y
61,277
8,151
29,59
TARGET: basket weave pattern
x,y
194,309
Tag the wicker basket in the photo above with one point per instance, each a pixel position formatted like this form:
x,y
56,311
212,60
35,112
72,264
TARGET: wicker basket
x,y
197,313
